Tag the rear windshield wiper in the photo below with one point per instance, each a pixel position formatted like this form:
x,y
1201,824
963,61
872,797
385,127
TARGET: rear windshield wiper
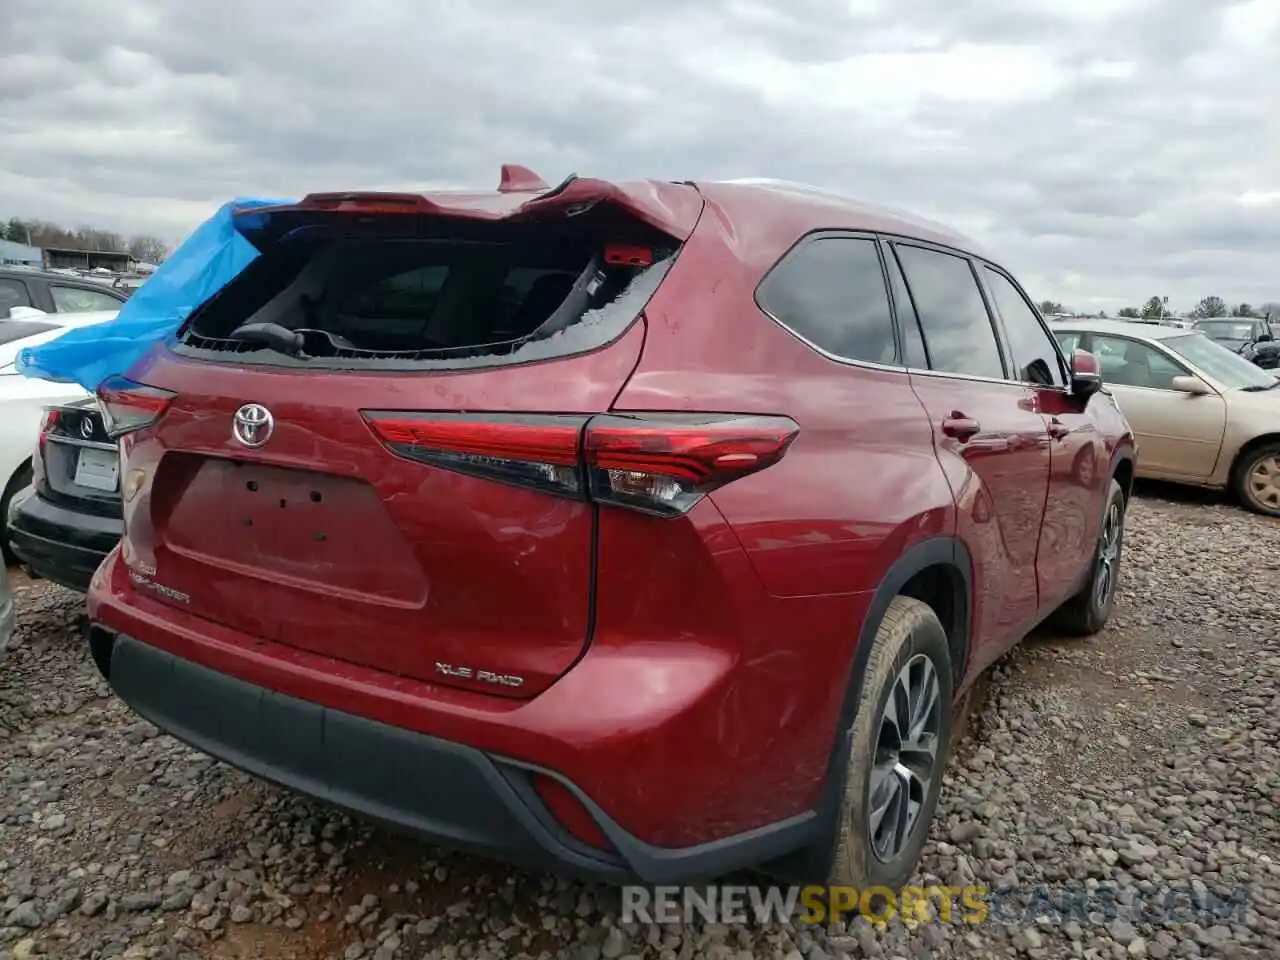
x,y
278,338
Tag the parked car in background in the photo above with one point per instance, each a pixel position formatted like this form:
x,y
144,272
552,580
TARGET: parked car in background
x,y
23,399
1253,338
1202,414
486,514
70,519
55,293
7,612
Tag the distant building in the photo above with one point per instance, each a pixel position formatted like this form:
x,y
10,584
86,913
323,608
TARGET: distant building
x,y
61,258
19,253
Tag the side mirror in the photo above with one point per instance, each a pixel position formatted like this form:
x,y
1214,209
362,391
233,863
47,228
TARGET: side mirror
x,y
1265,338
1192,385
1086,374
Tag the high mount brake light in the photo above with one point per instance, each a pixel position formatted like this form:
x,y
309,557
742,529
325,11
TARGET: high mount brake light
x,y
128,406
658,463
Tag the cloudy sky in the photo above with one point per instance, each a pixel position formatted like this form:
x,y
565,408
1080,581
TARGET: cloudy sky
x,y
1107,149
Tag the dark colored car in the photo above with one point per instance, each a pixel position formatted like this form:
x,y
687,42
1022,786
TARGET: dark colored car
x,y
55,293
1253,338
643,530
71,519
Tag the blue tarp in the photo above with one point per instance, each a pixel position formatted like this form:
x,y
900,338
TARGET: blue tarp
x,y
206,262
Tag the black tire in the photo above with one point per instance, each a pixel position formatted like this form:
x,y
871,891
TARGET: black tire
x,y
1259,497
17,483
1089,610
909,636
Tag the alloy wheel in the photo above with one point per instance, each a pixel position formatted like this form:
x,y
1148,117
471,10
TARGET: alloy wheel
x,y
1264,482
1108,555
906,757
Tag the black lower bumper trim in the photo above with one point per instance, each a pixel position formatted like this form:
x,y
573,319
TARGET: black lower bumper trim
x,y
442,791
61,545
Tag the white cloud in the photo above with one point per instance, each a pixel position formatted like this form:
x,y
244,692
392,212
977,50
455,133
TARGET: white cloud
x,y
1107,149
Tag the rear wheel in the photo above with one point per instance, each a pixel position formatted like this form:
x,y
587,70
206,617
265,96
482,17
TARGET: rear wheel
x,y
899,744
19,482
1257,479
1089,610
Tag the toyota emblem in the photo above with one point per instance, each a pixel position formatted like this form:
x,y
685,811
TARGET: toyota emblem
x,y
252,425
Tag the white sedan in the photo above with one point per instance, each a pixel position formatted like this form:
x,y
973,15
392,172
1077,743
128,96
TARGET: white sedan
x,y
23,399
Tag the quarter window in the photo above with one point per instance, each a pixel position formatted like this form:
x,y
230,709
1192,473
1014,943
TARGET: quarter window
x,y
953,316
1034,355
831,292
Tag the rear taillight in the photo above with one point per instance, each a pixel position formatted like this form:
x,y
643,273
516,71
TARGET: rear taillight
x,y
533,450
128,406
50,421
665,463
659,463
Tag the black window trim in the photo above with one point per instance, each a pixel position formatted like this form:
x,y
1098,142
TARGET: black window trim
x,y
837,233
1064,368
997,330
899,321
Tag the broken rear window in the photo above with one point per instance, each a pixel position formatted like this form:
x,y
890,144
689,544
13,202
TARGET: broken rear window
x,y
461,295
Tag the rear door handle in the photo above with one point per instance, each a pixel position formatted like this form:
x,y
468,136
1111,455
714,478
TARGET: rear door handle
x,y
1058,430
959,427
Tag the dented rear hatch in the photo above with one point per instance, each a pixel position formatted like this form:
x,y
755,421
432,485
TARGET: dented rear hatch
x,y
272,489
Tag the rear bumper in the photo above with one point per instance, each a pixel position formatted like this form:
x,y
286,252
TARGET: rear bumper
x,y
442,791
60,544
458,767
420,784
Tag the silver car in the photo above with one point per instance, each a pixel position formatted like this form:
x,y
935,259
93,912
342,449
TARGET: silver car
x,y
1201,414
6,612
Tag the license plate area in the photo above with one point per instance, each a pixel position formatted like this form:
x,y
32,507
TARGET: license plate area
x,y
97,469
292,527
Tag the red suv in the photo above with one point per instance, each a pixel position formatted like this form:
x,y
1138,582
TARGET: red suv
x,y
645,531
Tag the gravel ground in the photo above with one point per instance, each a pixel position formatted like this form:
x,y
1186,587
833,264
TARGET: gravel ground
x,y
1140,770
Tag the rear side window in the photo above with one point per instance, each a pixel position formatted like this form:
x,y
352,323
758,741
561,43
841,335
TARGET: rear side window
x,y
1034,355
1129,363
80,300
831,292
953,315
13,293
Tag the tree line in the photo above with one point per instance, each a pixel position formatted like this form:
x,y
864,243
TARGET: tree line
x,y
1158,307
41,233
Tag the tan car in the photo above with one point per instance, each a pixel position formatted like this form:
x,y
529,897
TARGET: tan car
x,y
1201,414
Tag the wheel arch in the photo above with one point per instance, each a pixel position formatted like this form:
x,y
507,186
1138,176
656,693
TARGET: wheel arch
x,y
939,563
10,486
1261,440
1122,471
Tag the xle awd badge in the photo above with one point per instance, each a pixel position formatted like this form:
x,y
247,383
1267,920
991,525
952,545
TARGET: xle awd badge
x,y
483,676
252,425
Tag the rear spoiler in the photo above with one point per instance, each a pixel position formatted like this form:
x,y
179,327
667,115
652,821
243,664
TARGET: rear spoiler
x,y
521,196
